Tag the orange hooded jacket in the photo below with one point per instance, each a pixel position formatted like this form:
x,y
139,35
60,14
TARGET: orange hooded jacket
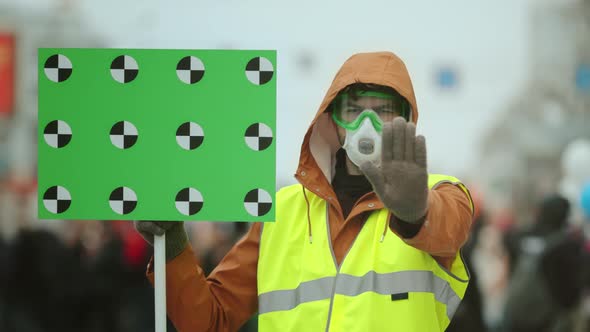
x,y
227,298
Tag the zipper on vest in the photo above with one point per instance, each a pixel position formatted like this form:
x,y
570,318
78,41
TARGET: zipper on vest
x,y
336,264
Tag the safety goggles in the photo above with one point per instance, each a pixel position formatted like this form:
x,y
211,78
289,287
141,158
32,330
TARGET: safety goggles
x,y
379,107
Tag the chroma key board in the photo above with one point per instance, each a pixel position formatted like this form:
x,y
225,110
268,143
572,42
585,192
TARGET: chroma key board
x,y
130,134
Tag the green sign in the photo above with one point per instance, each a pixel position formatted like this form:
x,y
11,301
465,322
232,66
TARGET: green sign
x,y
128,134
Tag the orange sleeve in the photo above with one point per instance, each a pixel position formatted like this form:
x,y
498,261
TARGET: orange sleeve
x,y
221,302
447,223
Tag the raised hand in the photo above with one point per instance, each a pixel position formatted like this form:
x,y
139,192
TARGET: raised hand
x,y
401,181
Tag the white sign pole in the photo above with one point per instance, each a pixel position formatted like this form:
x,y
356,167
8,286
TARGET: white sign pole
x,y
160,281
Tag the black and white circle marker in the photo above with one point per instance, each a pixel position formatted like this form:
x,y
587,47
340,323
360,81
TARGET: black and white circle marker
x,y
124,69
57,134
57,199
257,202
189,201
123,134
123,200
258,136
189,136
259,70
190,70
58,68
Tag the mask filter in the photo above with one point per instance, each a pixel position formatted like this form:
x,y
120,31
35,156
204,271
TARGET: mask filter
x,y
364,143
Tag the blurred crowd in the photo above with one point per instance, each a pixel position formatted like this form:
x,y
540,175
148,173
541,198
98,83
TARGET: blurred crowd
x,y
534,277
87,280
91,275
526,275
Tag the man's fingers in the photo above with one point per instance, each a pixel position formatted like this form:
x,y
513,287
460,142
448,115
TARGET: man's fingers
x,y
420,151
149,227
410,140
387,144
399,138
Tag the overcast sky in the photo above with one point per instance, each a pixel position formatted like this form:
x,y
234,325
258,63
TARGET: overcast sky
x,y
484,43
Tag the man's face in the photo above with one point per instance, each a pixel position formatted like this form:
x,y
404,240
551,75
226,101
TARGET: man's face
x,y
350,108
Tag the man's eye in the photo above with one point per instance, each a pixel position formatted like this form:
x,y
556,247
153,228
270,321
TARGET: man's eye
x,y
352,109
385,110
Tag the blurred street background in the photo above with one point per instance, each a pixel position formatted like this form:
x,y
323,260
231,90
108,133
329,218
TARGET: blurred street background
x,y
503,89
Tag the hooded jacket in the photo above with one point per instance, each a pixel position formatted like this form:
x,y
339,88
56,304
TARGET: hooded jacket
x,y
225,299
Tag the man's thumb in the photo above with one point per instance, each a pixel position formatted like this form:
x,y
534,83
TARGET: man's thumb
x,y
372,173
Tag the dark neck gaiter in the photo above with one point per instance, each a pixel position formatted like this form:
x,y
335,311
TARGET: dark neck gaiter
x,y
348,188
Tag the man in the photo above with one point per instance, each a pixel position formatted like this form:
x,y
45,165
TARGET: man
x,y
367,241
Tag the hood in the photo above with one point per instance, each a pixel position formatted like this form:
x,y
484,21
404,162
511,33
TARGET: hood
x,y
317,160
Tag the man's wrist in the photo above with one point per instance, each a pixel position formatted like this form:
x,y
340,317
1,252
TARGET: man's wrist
x,y
406,230
176,241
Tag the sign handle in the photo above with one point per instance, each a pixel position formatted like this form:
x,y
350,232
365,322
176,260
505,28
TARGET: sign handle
x,y
160,281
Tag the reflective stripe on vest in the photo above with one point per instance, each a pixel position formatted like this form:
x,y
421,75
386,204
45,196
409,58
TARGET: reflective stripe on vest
x,y
382,284
390,283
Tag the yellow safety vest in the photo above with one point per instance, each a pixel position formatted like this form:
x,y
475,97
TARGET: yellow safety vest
x,y
383,284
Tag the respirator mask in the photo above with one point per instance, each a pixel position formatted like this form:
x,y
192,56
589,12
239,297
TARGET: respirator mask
x,y
364,143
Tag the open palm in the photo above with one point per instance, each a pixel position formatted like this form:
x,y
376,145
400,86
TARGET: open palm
x,y
401,181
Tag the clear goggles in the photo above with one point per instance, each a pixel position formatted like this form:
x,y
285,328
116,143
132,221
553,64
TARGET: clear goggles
x,y
350,112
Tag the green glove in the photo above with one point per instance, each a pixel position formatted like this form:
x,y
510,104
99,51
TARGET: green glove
x,y
176,237
401,181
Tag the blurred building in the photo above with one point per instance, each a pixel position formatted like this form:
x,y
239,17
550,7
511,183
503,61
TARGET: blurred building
x,y
520,157
57,24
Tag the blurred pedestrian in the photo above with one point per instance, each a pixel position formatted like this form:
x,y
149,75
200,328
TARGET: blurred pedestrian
x,y
547,276
469,315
